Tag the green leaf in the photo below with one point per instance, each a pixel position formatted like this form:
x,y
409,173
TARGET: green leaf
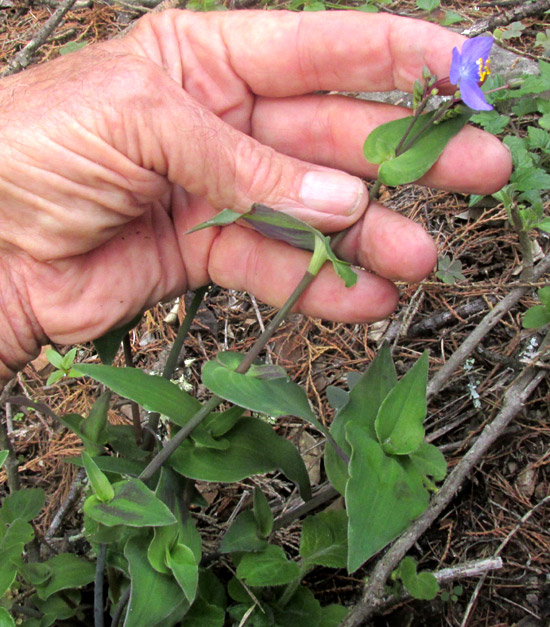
x,y
449,271
204,614
302,609
72,46
54,358
428,5
324,539
365,399
530,179
68,359
100,484
8,573
94,427
254,449
544,225
451,17
262,513
535,83
164,539
153,596
380,147
429,460
152,392
58,607
536,317
3,457
23,504
223,218
185,569
133,505
5,618
107,345
544,295
55,376
421,586
67,571
491,121
243,535
382,498
268,568
273,397
333,615
399,423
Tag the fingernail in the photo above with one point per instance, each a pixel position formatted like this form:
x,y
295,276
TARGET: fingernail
x,y
333,192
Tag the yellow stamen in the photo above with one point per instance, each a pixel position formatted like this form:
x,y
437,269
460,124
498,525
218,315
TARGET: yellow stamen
x,y
483,70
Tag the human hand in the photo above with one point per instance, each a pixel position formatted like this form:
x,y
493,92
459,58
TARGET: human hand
x,y
141,138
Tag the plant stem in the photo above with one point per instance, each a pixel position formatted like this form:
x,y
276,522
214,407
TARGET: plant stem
x,y
172,361
524,243
129,361
98,586
169,448
414,119
120,606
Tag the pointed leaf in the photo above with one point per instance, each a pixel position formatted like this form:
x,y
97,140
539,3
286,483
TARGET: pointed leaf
x,y
100,484
268,568
133,505
153,596
107,345
185,569
3,457
365,398
152,392
262,513
94,427
399,423
381,497
243,535
222,218
254,449
273,397
302,609
164,539
54,358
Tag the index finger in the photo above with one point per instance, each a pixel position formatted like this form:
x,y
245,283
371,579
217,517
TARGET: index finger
x,y
283,53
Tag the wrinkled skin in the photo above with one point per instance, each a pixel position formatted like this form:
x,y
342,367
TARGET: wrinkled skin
x,y
141,138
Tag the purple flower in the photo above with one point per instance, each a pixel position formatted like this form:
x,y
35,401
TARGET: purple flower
x,y
469,68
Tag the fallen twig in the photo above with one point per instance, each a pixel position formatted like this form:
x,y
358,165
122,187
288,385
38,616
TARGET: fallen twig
x,y
507,17
444,374
23,58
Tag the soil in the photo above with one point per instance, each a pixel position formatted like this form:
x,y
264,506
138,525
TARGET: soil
x,y
499,500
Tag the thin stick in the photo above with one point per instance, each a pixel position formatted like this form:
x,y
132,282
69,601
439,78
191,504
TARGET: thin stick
x,y
136,418
23,58
444,374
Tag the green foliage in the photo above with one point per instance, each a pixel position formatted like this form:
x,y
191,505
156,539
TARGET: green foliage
x,y
538,315
383,146
387,481
512,31
63,365
3,457
421,586
428,5
449,271
543,39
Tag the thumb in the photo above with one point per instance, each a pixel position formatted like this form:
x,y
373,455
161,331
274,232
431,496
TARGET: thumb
x,y
197,150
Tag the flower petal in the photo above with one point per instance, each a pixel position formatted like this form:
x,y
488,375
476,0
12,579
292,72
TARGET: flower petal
x,y
454,73
476,48
471,94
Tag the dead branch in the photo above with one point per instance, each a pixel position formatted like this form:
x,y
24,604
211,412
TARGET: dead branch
x,y
507,17
24,57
